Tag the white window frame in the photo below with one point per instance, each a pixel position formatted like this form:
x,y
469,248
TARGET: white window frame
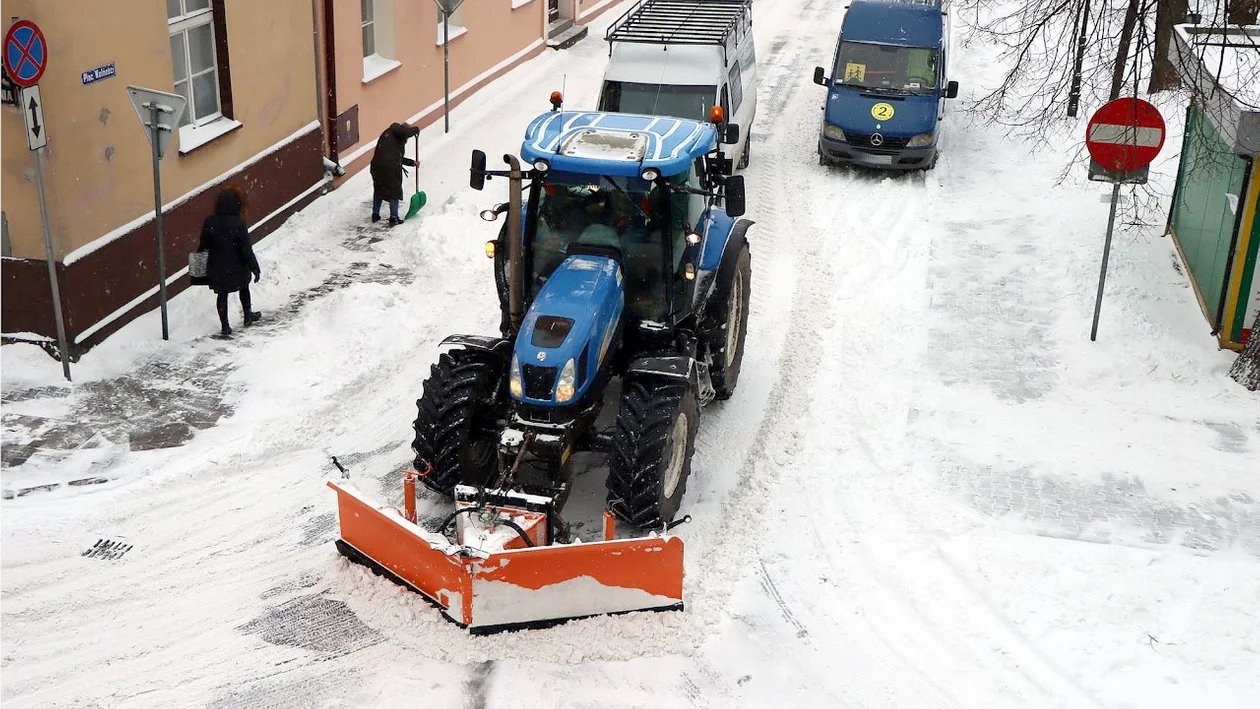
x,y
383,58
181,25
456,24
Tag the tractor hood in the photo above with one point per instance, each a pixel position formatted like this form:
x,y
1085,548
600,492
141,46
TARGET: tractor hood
x,y
572,318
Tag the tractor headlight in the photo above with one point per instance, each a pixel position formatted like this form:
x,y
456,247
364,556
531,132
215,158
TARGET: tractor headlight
x,y
833,132
921,140
566,385
514,380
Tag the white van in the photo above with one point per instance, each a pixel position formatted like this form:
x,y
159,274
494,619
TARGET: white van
x,y
682,57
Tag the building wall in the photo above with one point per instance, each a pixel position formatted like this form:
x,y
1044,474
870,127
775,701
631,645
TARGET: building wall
x,y
98,164
498,37
587,10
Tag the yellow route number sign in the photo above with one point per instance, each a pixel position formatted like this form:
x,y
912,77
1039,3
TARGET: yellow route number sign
x,y
882,111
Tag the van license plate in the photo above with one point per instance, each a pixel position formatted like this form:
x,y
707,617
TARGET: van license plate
x,y
879,159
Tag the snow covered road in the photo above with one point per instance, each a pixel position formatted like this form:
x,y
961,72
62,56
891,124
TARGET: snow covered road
x,y
931,490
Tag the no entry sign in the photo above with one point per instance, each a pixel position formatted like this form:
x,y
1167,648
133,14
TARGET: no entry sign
x,y
1125,135
25,53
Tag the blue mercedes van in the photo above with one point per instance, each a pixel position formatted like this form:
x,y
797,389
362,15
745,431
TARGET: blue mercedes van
x,y
889,85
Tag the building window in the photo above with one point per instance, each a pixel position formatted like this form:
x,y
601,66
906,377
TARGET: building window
x,y
378,38
369,27
456,23
193,54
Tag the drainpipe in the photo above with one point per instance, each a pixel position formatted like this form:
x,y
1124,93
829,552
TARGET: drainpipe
x,y
330,73
329,165
1233,241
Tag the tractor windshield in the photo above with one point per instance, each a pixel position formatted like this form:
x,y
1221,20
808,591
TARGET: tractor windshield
x,y
885,67
627,213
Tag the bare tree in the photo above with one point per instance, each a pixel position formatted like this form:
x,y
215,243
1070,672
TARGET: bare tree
x,y
1243,12
1163,73
1246,369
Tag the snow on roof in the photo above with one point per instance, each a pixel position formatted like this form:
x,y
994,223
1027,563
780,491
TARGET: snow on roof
x,y
1230,55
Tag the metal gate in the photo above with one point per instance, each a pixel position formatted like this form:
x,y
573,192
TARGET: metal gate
x,y
553,10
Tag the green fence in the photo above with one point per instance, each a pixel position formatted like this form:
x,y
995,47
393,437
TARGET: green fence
x,y
1203,214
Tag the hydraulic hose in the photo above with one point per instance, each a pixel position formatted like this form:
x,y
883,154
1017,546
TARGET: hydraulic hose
x,y
505,522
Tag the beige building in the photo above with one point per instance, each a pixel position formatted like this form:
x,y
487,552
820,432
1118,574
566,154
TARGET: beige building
x,y
304,84
243,124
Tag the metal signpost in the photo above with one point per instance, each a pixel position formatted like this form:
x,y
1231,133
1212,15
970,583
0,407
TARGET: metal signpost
x,y
446,8
25,59
1123,137
159,112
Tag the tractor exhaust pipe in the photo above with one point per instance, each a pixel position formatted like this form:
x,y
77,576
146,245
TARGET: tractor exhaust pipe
x,y
516,263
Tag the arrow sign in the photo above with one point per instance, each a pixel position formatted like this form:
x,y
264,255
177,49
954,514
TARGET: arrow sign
x,y
36,130
33,107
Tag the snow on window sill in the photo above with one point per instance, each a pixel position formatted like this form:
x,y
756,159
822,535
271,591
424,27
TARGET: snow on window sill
x,y
375,66
520,3
193,137
456,31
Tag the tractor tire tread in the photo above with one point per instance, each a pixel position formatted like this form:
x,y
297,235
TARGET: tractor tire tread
x,y
458,382
640,450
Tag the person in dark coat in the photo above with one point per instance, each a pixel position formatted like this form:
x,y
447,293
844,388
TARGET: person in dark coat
x,y
387,169
231,258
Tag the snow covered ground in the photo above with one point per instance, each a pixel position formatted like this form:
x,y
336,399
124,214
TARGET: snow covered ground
x,y
931,489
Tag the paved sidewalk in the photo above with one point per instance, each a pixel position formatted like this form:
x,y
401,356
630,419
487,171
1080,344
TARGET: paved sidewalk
x,y
161,402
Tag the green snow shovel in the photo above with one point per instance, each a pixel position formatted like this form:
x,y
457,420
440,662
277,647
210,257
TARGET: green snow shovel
x,y
419,198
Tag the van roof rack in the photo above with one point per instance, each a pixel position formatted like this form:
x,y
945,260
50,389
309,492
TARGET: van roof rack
x,y
681,22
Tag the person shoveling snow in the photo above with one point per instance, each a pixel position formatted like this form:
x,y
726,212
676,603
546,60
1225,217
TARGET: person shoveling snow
x,y
387,170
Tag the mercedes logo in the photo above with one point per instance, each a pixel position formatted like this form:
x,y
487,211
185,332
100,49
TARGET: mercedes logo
x,y
542,356
877,139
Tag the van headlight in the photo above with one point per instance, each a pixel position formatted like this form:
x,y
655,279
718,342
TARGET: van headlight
x,y
566,384
514,380
833,132
921,140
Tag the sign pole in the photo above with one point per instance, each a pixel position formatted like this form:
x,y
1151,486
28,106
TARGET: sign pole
x,y
52,266
1102,276
446,70
157,216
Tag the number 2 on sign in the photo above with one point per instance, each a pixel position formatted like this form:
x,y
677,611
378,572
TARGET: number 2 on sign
x,y
882,111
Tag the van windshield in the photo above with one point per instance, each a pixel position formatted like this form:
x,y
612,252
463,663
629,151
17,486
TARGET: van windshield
x,y
690,102
885,67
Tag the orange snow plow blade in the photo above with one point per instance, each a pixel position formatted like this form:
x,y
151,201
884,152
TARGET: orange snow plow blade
x,y
489,591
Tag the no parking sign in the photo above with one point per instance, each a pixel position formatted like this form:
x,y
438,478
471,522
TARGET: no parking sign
x,y
25,53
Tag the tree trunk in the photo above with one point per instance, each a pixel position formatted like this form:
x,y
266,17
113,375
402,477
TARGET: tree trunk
x,y
1246,369
1167,13
1243,12
1122,52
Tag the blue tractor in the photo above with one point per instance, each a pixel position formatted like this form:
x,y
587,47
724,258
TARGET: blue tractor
x,y
623,265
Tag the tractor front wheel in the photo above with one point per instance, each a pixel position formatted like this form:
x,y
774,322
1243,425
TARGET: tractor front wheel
x,y
728,313
653,443
457,421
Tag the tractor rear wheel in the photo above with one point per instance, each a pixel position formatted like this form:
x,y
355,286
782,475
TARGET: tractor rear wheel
x,y
728,313
457,421
652,446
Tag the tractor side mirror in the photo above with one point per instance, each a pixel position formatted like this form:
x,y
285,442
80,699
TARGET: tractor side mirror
x,y
719,165
820,77
478,170
493,213
731,134
951,89
735,196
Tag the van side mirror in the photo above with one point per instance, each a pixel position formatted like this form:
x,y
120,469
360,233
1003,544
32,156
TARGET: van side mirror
x,y
951,89
731,135
735,196
820,77
478,170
